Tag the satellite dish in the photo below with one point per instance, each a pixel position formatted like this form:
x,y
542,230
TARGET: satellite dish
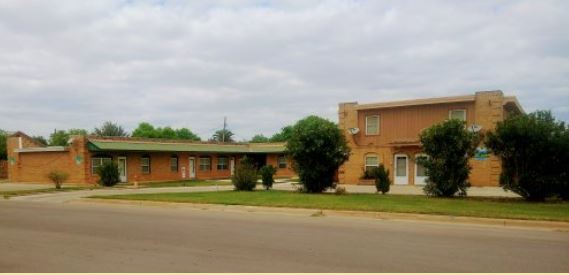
x,y
354,131
475,128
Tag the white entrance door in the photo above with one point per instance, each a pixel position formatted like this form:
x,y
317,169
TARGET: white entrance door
x,y
401,169
420,176
192,168
122,169
232,166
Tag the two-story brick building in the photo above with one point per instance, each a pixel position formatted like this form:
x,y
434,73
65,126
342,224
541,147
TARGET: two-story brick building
x,y
388,133
139,160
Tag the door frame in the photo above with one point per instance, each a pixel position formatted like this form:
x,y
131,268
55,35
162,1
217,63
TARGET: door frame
x,y
192,172
419,180
401,180
232,165
125,168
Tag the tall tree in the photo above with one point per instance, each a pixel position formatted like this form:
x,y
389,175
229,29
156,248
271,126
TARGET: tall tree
x,y
147,130
77,132
223,135
186,134
259,139
3,140
318,147
110,129
59,138
282,136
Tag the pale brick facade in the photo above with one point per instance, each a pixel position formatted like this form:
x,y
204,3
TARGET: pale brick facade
x,y
397,145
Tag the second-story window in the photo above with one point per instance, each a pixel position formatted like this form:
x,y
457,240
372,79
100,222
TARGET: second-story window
x,y
372,125
459,114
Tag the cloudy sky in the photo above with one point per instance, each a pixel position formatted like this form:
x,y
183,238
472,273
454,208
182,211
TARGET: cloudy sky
x,y
265,64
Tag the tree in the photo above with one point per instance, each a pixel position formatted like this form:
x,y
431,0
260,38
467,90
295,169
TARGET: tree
x,y
110,129
223,135
77,132
318,148
58,178
245,177
534,150
3,145
283,135
186,134
59,138
40,140
147,130
259,139
448,146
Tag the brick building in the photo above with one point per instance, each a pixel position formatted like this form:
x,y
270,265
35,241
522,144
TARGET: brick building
x,y
139,160
388,133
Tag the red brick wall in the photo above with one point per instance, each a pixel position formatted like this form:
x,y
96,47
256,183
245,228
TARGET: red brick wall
x,y
3,169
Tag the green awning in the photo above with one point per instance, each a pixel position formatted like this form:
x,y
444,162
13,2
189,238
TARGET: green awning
x,y
111,145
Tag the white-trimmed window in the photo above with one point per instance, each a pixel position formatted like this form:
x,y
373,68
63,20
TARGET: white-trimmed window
x,y
372,125
205,163
97,162
371,161
174,163
145,164
222,163
459,114
281,162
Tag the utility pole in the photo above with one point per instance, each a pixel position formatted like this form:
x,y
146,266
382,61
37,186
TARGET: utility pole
x,y
224,127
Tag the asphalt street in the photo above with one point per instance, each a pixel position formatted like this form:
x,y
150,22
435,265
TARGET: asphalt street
x,y
79,237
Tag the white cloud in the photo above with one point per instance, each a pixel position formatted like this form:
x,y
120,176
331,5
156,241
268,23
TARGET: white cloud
x,y
265,64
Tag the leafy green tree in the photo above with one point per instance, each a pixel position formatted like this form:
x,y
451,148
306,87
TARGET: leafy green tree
x,y
110,129
282,136
318,148
448,145
223,135
59,138
40,140
259,139
145,130
3,144
534,149
186,134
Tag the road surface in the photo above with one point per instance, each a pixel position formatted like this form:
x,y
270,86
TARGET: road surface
x,y
80,237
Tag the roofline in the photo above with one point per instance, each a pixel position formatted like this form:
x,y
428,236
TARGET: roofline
x,y
42,149
415,102
514,100
174,141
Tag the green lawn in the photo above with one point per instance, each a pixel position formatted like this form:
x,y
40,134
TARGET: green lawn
x,y
182,183
507,208
15,193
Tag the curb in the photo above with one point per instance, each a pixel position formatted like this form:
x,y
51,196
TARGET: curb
x,y
512,223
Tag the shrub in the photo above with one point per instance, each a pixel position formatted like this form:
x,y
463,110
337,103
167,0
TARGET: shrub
x,y
448,146
108,174
367,175
381,176
318,148
267,172
534,149
58,178
340,190
245,177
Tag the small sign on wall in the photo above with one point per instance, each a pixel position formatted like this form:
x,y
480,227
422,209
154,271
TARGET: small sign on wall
x,y
78,160
481,153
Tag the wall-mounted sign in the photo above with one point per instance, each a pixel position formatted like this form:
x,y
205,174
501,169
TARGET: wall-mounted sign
x,y
481,153
78,160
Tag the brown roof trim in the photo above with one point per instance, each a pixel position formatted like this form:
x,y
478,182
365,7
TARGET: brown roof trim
x,y
414,102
